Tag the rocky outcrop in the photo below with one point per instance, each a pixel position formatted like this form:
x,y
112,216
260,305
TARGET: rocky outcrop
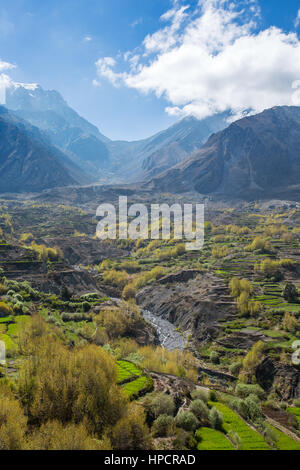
x,y
279,377
193,301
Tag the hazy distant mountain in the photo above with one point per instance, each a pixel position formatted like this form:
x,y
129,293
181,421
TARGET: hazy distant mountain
x,y
254,157
140,160
96,154
48,111
28,162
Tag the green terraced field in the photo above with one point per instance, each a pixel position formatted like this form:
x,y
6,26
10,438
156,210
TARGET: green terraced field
x,y
296,412
210,439
9,344
285,442
127,370
134,387
251,440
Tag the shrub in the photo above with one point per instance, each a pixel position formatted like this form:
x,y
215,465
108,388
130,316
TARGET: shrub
x,y
3,289
290,292
200,410
212,395
290,323
244,390
162,425
129,292
130,266
86,306
187,421
235,367
26,237
116,278
215,419
220,251
163,404
13,423
269,267
131,431
250,410
259,244
53,435
214,357
199,394
252,359
5,309
238,286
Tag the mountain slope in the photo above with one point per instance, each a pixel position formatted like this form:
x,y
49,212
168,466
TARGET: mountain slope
x,y
256,156
143,159
74,135
27,161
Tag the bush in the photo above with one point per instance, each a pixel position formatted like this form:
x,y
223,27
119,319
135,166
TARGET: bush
x,y
3,289
5,309
162,404
116,278
260,244
129,292
199,394
290,292
250,410
269,267
162,425
244,390
290,323
200,410
86,307
53,435
235,367
215,419
212,395
187,421
131,431
214,357
13,423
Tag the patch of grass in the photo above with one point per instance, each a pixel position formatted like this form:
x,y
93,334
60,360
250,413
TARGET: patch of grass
x,y
9,344
210,439
126,370
6,319
250,439
136,386
296,412
285,442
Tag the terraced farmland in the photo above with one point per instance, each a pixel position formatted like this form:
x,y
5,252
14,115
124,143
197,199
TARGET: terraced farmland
x,y
285,442
250,439
210,439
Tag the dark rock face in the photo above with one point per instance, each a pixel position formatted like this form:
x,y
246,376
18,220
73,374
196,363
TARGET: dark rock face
x,y
190,299
283,378
27,161
258,156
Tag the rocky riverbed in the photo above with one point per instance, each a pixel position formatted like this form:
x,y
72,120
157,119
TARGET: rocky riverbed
x,y
167,334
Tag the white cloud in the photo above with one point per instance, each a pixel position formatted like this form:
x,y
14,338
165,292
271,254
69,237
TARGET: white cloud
x,y
297,20
87,39
6,66
212,58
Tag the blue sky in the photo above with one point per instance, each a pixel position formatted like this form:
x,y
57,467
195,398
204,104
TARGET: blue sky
x,y
57,43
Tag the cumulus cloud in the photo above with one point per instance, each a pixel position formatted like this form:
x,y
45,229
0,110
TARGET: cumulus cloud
x,y
6,66
212,58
